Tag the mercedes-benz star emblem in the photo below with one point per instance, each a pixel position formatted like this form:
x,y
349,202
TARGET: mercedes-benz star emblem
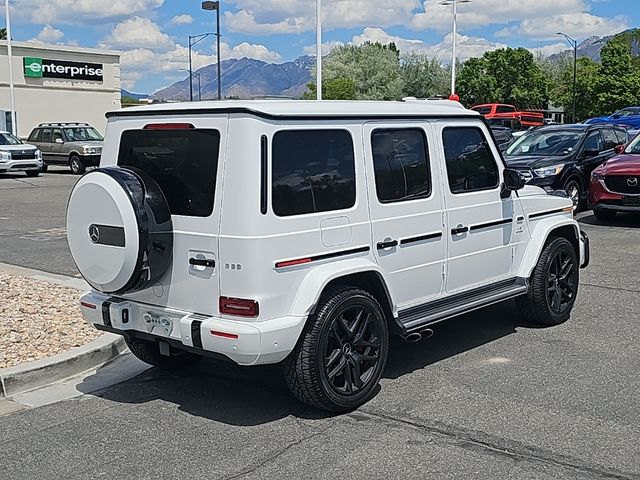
x,y
632,181
94,233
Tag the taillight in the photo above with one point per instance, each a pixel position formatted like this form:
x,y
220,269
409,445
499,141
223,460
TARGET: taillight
x,y
238,307
230,336
168,126
88,305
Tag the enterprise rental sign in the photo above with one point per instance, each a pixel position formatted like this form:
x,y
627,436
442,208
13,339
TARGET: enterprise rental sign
x,y
39,67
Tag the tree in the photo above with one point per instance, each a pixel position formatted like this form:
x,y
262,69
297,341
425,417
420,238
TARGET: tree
x,y
333,89
618,83
423,76
3,33
561,87
372,68
505,75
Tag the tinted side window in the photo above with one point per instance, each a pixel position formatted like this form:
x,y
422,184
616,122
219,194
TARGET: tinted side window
x,y
184,163
622,136
505,109
313,171
57,134
609,139
470,162
593,142
36,135
401,164
46,135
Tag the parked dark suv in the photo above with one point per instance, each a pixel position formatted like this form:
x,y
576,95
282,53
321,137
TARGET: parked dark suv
x,y
78,145
562,157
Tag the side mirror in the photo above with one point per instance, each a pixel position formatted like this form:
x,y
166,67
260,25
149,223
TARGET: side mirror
x,y
58,140
591,152
619,149
513,181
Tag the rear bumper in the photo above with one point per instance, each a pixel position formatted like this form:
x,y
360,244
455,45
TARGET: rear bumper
x,y
245,343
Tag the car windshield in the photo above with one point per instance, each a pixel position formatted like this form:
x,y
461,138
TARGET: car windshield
x,y
8,139
82,134
634,146
556,142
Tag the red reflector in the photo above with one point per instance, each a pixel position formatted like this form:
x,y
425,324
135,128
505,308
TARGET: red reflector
x,y
88,305
238,307
215,333
291,263
168,126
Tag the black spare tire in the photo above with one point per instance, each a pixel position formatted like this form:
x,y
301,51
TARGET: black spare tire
x,y
119,230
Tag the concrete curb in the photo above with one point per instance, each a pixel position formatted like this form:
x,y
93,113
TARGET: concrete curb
x,y
39,373
31,375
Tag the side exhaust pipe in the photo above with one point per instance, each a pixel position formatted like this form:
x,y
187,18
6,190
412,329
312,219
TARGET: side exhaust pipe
x,y
414,337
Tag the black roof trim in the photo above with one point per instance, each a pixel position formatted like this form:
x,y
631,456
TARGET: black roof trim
x,y
269,116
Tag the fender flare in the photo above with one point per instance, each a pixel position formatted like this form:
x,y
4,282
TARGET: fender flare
x,y
539,235
318,278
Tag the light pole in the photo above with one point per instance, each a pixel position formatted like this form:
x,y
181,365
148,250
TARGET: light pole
x,y
216,6
455,33
319,49
194,39
14,127
197,75
574,43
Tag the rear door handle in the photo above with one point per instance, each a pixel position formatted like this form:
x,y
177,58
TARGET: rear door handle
x,y
460,229
387,244
202,262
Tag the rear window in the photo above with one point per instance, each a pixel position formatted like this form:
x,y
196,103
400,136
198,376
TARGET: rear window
x,y
485,110
184,163
505,109
313,171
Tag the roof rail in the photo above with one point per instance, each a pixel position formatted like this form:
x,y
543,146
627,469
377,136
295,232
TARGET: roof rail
x,y
62,124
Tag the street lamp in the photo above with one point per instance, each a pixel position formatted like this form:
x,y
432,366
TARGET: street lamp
x,y
194,39
197,75
216,6
14,127
573,42
319,49
455,32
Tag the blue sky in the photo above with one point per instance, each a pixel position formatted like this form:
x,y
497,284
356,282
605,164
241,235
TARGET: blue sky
x,y
152,34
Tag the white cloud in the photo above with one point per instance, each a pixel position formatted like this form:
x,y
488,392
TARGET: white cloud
x,y
79,12
467,46
138,32
578,25
182,19
249,50
548,50
48,34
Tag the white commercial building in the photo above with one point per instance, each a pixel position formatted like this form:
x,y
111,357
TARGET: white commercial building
x,y
56,83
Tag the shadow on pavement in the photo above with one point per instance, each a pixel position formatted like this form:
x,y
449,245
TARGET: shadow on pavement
x,y
627,220
248,396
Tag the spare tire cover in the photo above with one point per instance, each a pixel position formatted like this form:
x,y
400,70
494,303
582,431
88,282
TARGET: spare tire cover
x,y
119,229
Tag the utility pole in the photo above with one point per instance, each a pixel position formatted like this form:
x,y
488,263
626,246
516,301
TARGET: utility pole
x,y
14,126
574,43
454,56
319,49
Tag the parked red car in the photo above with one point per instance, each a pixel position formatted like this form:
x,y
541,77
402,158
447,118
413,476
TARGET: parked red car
x,y
615,185
504,113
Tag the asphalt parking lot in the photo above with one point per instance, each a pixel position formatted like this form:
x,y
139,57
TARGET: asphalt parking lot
x,y
486,397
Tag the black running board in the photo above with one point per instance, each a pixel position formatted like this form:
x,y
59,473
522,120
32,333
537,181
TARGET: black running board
x,y
420,316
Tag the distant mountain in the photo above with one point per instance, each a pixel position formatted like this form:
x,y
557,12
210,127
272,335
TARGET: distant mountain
x,y
137,96
245,78
592,46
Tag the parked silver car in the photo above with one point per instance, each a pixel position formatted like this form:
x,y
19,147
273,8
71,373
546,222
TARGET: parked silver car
x,y
78,145
16,156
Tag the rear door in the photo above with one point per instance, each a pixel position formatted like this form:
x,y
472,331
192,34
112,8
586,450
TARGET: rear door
x,y
184,160
406,208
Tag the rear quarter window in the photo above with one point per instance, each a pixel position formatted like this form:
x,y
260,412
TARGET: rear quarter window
x,y
184,163
312,171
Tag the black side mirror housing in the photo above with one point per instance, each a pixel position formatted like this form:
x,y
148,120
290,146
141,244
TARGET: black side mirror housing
x,y
513,180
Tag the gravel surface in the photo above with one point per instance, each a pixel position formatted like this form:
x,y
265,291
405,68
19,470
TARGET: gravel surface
x,y
38,319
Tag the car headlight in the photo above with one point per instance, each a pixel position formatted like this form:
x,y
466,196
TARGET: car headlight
x,y
549,171
597,175
91,150
5,156
38,155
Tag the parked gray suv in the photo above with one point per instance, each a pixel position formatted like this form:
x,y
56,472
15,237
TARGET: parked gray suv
x,y
78,145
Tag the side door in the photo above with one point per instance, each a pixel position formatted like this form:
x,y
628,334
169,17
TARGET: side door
x,y
45,145
406,208
594,151
485,232
56,150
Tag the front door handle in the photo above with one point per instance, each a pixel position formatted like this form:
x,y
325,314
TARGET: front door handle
x,y
459,230
202,262
387,244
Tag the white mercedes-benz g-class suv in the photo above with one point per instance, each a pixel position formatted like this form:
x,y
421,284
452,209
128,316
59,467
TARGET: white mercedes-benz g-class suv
x,y
306,233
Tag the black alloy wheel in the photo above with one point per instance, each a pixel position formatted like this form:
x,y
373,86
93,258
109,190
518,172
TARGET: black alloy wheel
x,y
341,354
352,350
562,281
